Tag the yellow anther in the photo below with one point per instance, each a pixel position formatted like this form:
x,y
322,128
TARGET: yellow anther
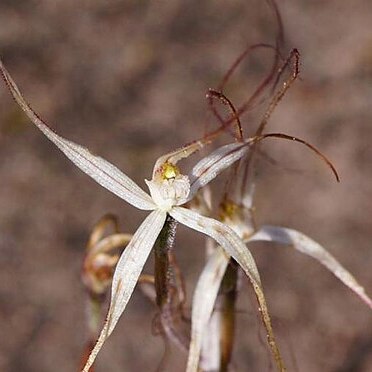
x,y
169,171
228,209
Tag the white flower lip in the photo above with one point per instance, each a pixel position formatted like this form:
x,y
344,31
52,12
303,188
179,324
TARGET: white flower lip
x,y
168,193
168,190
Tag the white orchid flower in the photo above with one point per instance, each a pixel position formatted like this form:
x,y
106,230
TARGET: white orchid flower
x,y
169,189
205,295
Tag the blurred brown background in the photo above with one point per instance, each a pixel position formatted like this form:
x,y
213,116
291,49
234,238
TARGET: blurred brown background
x,y
128,80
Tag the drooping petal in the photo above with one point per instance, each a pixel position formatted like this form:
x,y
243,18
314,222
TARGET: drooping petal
x,y
305,245
127,273
209,167
223,235
203,302
211,352
234,247
103,172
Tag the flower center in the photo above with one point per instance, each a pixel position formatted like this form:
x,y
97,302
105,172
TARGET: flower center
x,y
169,187
169,171
240,219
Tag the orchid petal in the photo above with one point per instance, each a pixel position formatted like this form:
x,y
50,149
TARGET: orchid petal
x,y
305,245
103,172
210,355
212,165
203,302
234,247
127,273
223,235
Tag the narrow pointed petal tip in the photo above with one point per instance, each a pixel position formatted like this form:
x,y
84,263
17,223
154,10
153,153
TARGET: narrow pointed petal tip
x,y
103,172
127,273
309,247
235,248
203,302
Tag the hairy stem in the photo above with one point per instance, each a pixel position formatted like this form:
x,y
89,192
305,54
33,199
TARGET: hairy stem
x,y
163,270
167,289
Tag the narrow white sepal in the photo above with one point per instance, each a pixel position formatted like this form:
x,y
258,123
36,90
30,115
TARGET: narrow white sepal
x,y
304,244
223,235
103,172
210,354
213,164
127,273
203,302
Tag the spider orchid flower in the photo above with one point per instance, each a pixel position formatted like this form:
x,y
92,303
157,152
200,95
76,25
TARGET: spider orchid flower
x,y
204,348
169,189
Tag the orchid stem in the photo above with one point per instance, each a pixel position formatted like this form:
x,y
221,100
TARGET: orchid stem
x,y
163,270
165,285
229,293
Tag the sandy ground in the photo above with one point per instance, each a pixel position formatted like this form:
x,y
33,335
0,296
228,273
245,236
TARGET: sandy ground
x,y
128,80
